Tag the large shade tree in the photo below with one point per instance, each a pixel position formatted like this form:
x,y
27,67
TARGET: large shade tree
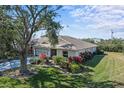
x,y
26,21
6,35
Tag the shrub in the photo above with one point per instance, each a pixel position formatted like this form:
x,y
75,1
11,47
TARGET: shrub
x,y
111,45
52,71
64,64
86,56
49,85
35,60
8,82
58,59
82,55
42,56
74,59
77,59
70,59
75,68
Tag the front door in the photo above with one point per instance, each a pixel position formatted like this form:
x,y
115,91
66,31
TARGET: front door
x,y
53,52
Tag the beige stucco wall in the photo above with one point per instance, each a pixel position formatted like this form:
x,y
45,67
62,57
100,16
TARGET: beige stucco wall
x,y
59,53
71,53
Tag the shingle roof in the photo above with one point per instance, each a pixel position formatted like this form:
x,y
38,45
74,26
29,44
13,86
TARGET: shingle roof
x,y
78,42
65,42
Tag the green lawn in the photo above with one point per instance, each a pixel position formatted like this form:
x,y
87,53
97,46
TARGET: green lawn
x,y
102,71
109,67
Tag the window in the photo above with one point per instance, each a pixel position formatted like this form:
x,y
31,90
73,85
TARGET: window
x,y
53,52
65,53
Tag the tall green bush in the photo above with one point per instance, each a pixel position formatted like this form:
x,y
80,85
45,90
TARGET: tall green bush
x,y
58,59
75,68
111,45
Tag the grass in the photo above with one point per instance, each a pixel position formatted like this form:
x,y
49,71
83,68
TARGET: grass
x,y
102,71
110,67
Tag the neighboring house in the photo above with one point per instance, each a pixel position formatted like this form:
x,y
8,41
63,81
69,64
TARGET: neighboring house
x,y
67,46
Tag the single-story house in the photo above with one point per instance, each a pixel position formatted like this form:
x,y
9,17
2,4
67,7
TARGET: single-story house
x,y
67,46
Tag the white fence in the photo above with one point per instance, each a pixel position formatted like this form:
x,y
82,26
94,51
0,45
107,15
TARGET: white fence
x,y
11,64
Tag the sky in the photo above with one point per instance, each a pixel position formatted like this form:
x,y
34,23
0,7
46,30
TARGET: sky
x,y
92,21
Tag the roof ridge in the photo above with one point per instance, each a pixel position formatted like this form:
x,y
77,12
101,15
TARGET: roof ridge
x,y
81,40
65,40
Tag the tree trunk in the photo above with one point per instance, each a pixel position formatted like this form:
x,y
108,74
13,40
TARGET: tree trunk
x,y
23,58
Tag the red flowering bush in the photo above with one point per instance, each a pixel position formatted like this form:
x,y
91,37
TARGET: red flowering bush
x,y
42,56
74,62
76,59
83,57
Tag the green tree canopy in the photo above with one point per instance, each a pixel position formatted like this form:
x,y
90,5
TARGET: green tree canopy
x,y
28,19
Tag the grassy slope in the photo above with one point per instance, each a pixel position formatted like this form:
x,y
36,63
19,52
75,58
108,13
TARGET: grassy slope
x,y
109,67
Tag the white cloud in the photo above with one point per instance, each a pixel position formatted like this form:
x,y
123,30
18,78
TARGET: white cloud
x,y
100,17
66,7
